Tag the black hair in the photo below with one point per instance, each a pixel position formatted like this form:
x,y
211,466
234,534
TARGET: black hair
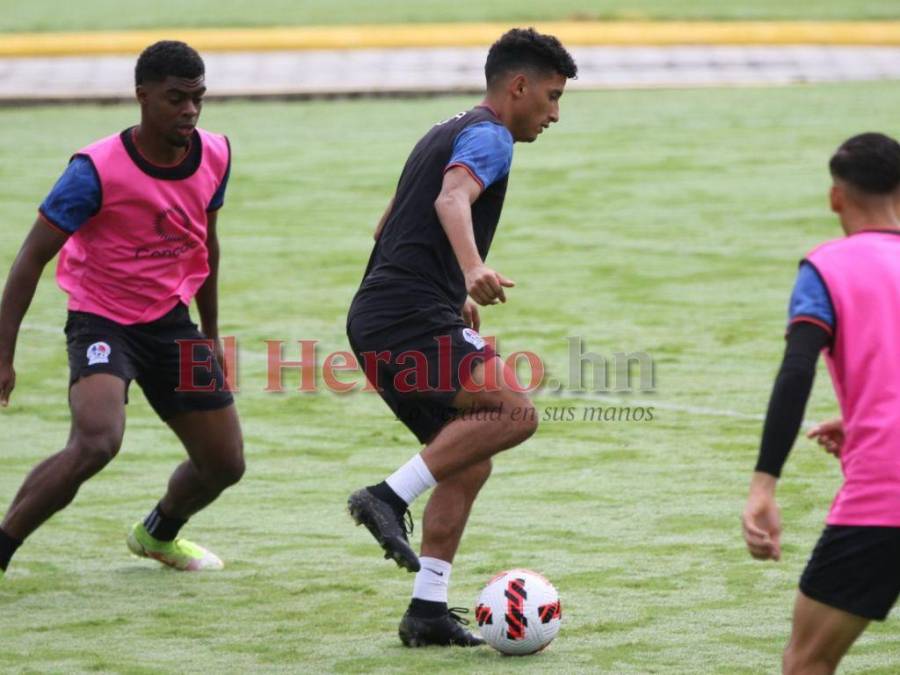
x,y
526,48
167,57
869,162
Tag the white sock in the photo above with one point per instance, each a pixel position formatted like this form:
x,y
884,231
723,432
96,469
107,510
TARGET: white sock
x,y
432,580
411,479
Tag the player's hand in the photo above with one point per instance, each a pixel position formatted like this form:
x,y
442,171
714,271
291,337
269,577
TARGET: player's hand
x,y
485,286
470,315
830,435
7,382
761,520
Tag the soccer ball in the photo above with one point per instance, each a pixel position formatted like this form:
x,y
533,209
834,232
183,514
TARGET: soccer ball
x,y
518,612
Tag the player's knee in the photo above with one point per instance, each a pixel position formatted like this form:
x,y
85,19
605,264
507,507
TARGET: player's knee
x,y
233,470
523,421
793,663
530,421
799,662
94,451
229,469
481,472
788,661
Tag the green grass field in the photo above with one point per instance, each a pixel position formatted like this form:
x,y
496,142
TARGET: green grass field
x,y
42,15
664,221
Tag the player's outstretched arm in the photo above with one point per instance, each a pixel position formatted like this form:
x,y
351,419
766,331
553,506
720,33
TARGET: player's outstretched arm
x,y
41,244
454,209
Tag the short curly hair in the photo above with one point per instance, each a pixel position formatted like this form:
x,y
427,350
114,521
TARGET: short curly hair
x,y
526,48
165,58
869,162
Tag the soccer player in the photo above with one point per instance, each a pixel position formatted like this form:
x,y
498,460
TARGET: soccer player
x,y
847,301
133,218
411,311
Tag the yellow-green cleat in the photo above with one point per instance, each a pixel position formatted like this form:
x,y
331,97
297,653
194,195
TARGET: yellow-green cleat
x,y
180,554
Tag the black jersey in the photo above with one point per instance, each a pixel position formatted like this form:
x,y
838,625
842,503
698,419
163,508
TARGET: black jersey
x,y
413,269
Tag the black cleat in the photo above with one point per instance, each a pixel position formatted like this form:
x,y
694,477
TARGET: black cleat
x,y
386,526
444,630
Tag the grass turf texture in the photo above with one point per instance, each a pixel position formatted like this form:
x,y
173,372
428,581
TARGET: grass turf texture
x,y
666,221
42,15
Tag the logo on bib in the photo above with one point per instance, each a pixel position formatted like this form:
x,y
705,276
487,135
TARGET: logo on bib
x,y
98,353
473,338
173,224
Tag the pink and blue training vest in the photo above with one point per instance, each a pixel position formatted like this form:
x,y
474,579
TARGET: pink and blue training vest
x,y
862,275
144,250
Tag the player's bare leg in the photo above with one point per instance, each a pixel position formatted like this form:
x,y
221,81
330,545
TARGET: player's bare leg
x,y
215,461
428,619
448,510
495,417
459,459
98,424
820,637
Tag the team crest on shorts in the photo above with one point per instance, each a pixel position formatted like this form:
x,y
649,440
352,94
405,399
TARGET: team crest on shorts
x,y
473,338
98,353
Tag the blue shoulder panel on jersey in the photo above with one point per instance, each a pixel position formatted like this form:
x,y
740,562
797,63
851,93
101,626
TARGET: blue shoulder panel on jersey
x,y
76,196
810,299
486,150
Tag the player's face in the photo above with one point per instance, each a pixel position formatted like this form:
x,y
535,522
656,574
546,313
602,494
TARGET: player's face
x,y
171,108
538,104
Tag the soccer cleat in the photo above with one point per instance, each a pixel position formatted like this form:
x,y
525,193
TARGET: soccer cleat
x,y
445,630
180,553
388,529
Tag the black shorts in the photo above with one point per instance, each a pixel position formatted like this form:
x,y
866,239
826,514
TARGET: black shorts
x,y
856,569
418,377
148,353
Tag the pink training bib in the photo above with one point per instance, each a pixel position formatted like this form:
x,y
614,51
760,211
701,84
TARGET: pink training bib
x,y
862,275
145,249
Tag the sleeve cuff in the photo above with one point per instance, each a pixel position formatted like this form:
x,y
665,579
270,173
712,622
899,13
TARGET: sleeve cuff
x,y
469,169
815,321
49,221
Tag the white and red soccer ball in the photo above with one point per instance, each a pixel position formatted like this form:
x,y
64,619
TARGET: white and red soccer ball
x,y
518,612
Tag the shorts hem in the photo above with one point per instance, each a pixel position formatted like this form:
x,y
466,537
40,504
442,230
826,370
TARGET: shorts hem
x,y
75,378
219,404
818,596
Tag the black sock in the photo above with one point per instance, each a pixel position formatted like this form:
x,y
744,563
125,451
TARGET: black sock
x,y
426,609
162,527
8,546
384,492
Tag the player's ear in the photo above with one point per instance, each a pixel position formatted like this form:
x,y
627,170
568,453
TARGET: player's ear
x,y
837,198
518,85
140,93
